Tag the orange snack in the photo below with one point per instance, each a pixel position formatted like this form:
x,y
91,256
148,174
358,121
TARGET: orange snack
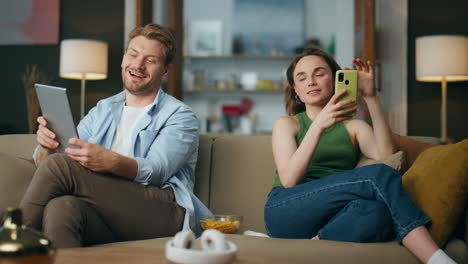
x,y
226,226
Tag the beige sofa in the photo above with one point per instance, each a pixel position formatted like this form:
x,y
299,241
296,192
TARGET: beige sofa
x,y
234,175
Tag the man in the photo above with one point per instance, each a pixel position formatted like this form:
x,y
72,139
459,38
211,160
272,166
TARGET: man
x,y
133,174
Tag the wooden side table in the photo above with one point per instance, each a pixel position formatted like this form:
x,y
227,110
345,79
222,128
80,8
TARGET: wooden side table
x,y
111,255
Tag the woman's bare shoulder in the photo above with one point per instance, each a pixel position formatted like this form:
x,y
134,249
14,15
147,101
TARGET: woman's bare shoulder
x,y
354,127
286,123
356,124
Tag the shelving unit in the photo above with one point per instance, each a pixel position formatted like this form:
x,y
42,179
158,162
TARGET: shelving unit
x,y
219,68
213,81
232,92
207,100
241,57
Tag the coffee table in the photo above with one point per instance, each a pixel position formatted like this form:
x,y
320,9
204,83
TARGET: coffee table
x,y
111,255
123,255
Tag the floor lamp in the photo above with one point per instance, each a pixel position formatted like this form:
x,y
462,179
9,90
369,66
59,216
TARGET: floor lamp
x,y
83,59
442,58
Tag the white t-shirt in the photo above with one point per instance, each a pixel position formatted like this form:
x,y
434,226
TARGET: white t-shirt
x,y
123,135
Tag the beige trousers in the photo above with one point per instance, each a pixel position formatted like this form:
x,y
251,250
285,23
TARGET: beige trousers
x,y
74,206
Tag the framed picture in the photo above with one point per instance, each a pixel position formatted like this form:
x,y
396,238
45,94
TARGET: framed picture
x,y
29,22
205,38
268,27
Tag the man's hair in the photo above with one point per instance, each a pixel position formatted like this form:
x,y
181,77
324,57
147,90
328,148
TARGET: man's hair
x,y
293,104
159,33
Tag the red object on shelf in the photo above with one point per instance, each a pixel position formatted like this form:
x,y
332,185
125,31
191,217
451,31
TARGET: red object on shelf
x,y
245,106
231,110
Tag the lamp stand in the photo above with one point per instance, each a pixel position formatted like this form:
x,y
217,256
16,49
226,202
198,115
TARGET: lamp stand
x,y
443,118
83,88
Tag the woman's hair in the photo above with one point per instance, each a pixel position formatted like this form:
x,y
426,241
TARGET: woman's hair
x,y
159,33
292,102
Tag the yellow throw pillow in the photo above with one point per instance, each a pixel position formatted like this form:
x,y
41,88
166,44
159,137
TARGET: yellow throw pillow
x,y
438,183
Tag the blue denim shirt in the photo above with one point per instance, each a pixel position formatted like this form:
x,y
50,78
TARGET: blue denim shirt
x,y
165,147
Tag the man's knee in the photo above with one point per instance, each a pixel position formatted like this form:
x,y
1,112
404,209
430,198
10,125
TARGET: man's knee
x,y
61,211
53,167
63,221
56,159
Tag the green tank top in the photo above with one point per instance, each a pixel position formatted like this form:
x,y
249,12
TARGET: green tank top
x,y
334,153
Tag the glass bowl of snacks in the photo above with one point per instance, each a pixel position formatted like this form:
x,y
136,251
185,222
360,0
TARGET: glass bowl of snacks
x,y
228,224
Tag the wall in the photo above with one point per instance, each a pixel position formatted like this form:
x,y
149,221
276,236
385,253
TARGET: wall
x,y
102,20
332,19
392,40
428,17
344,28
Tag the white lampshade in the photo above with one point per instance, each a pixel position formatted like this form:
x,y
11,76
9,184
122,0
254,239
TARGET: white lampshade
x,y
83,59
442,56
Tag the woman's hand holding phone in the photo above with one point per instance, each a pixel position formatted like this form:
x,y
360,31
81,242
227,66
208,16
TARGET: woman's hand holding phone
x,y
359,81
334,112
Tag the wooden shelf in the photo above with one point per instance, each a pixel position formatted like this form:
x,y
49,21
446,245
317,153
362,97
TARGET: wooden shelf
x,y
215,91
241,57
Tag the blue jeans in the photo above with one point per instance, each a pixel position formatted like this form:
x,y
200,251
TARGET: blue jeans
x,y
366,204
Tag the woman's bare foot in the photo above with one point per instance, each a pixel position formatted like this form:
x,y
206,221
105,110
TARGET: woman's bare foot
x,y
316,237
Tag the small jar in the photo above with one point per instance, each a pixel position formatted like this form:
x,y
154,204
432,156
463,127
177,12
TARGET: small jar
x,y
20,244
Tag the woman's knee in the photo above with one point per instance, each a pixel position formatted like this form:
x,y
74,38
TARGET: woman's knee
x,y
377,209
378,219
381,173
371,209
385,169
360,221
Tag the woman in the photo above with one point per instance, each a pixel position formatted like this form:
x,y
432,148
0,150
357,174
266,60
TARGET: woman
x,y
317,192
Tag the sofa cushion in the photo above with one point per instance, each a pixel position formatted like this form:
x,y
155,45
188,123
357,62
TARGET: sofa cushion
x,y
18,145
396,161
321,251
242,175
15,175
202,171
438,183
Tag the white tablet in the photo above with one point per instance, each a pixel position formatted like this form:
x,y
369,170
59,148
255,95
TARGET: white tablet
x,y
55,108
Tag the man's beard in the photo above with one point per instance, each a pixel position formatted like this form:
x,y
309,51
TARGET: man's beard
x,y
142,89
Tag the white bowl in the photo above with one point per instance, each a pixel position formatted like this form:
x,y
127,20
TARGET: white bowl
x,y
195,256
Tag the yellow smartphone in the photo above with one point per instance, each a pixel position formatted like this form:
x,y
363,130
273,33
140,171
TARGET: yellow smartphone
x,y
347,79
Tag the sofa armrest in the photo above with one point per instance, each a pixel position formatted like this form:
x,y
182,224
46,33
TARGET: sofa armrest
x,y
15,176
411,147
